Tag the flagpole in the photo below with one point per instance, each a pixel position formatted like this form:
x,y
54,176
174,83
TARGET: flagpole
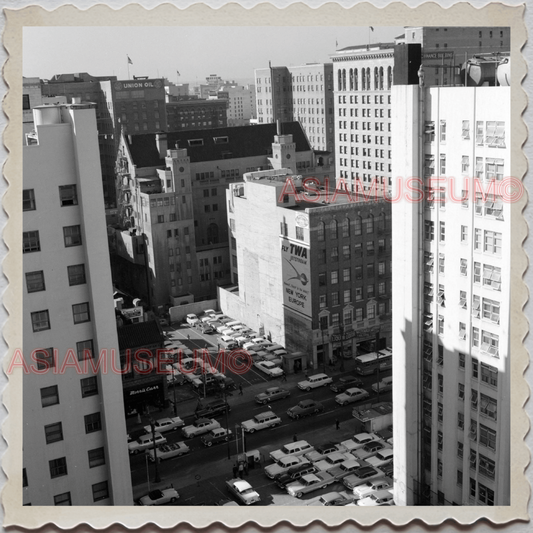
x,y
128,64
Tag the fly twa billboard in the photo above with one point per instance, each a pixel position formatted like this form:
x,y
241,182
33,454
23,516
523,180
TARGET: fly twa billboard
x,y
296,272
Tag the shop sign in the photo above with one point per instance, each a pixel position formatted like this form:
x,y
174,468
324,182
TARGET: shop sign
x,y
144,390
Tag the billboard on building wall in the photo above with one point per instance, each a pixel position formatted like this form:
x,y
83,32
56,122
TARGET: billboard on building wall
x,y
296,272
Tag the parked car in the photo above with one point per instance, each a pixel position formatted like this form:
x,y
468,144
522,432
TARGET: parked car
x,y
198,381
388,469
381,458
228,343
332,498
199,427
294,473
362,474
212,409
347,382
312,382
369,449
332,460
293,448
283,464
165,424
305,408
160,497
206,328
269,368
384,385
243,491
309,483
268,419
381,497
359,441
370,487
167,451
340,471
351,396
271,394
192,319
226,383
323,450
144,442
215,436
210,313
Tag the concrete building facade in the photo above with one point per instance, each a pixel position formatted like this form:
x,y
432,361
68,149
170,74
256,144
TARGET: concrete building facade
x,y
186,113
303,93
241,103
74,438
451,304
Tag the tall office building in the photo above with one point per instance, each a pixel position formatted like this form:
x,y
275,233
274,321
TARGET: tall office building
x,y
303,93
451,305
74,431
241,103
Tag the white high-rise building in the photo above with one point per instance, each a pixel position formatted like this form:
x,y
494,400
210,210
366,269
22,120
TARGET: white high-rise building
x,y
74,430
451,304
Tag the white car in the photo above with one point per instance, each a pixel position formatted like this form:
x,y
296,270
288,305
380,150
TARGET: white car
x,y
369,449
269,368
268,419
166,424
144,442
332,460
160,497
332,498
283,464
199,427
243,491
381,497
381,458
192,319
312,382
370,487
361,475
359,441
309,483
351,395
167,451
210,313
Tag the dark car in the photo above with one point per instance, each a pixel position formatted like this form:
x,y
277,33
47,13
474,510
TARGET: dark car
x,y
305,408
271,394
294,473
388,470
212,409
347,382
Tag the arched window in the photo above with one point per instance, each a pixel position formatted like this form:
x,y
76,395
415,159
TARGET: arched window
x,y
351,79
355,80
321,231
333,229
343,79
357,228
389,78
370,224
212,233
376,78
380,78
363,79
381,222
339,81
368,88
346,227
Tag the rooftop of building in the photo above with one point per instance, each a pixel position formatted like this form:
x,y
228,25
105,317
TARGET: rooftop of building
x,y
378,409
365,47
242,141
138,335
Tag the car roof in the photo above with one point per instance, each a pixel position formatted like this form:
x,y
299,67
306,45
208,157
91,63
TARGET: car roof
x,y
271,389
354,389
306,402
199,420
265,414
318,376
310,477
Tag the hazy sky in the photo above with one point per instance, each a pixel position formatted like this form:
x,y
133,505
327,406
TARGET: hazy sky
x,y
196,52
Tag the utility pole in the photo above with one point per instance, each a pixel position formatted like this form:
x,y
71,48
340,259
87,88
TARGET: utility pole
x,y
157,479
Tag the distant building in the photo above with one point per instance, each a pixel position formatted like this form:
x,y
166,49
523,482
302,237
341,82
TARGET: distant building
x,y
241,103
74,432
188,114
172,240
303,93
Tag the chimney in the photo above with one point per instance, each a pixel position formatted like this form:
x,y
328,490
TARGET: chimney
x,y
161,141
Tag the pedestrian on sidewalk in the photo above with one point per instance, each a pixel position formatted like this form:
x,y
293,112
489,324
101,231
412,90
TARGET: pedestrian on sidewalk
x,y
246,468
295,438
235,470
240,390
337,424
306,375
284,378
241,470
188,337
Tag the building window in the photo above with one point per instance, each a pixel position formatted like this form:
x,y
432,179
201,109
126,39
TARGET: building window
x,y
493,242
92,423
62,499
460,420
489,375
334,277
58,467
335,254
357,226
487,437
485,495
299,233
89,387
334,230
30,242
492,277
40,320
466,129
72,236
76,274
429,230
335,319
442,231
100,491
80,313
45,358
441,325
369,222
491,310
489,406
461,391
53,432
490,343
346,252
334,299
49,396
68,195
440,378
28,200
35,281
321,232
347,296
323,301
358,294
346,274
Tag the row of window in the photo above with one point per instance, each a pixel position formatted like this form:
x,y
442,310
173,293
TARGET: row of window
x,y
47,358
357,253
100,492
348,316
31,241
491,133
347,228
487,406
35,280
40,320
68,196
352,77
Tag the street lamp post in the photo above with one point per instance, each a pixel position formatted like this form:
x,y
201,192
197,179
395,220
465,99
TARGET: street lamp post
x,y
341,330
157,479
223,387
